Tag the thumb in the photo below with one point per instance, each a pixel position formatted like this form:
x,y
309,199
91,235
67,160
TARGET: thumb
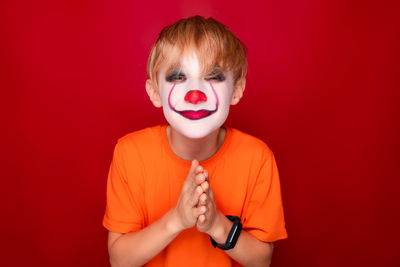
x,y
200,220
190,179
193,166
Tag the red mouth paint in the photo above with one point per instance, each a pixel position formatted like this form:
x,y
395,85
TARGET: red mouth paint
x,y
196,115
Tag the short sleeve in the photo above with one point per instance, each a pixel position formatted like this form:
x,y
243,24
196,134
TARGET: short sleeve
x,y
124,196
263,214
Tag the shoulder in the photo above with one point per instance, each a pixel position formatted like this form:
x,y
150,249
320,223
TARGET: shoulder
x,y
143,141
248,145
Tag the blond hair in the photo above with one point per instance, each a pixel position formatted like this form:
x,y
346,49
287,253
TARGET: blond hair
x,y
214,44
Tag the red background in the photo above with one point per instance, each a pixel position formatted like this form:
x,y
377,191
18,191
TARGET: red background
x,y
322,91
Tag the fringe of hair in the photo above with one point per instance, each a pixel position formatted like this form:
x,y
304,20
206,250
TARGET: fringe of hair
x,y
214,44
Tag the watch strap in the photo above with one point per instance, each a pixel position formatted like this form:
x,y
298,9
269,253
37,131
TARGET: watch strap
x,y
233,235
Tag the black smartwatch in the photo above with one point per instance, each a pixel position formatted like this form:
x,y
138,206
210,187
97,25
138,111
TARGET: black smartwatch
x,y
233,235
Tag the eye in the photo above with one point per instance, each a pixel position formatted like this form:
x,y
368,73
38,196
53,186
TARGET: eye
x,y
176,77
219,77
215,75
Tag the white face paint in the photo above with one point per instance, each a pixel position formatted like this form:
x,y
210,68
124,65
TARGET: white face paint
x,y
195,105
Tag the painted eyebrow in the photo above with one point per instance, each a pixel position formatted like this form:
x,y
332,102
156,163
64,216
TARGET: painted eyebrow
x,y
216,74
215,71
173,73
174,70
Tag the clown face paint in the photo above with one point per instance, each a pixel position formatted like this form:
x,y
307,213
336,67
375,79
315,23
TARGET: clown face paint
x,y
195,105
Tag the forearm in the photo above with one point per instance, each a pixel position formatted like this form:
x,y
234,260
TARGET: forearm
x,y
248,251
137,248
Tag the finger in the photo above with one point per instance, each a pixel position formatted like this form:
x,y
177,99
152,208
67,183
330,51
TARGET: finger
x,y
197,212
200,178
198,169
194,200
205,172
205,186
201,219
189,182
193,167
202,200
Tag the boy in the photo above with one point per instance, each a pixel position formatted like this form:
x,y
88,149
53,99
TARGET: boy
x,y
193,192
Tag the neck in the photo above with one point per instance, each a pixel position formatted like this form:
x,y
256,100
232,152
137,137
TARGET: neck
x,y
199,149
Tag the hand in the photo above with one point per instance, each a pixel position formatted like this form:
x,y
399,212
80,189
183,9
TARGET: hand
x,y
193,191
206,222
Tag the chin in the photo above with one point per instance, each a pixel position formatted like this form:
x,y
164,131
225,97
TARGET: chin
x,y
197,129
197,134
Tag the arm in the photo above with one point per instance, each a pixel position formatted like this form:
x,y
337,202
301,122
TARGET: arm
x,y
265,206
137,248
248,251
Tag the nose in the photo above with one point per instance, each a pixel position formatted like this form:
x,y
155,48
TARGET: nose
x,y
195,97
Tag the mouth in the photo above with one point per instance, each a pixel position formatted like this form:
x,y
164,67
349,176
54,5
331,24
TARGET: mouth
x,y
196,115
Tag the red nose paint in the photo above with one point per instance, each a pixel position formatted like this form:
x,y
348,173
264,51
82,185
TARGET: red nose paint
x,y
195,97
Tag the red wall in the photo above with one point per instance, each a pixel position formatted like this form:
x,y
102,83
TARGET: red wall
x,y
323,74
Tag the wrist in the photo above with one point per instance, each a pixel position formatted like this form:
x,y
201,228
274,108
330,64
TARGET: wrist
x,y
233,235
172,222
220,229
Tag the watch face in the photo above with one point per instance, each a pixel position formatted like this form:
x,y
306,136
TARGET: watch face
x,y
232,234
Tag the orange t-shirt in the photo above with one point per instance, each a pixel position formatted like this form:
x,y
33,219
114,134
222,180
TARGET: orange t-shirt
x,y
145,181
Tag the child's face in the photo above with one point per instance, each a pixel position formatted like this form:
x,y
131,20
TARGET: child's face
x,y
195,104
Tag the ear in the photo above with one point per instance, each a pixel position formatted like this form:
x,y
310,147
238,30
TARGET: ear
x,y
153,92
238,91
